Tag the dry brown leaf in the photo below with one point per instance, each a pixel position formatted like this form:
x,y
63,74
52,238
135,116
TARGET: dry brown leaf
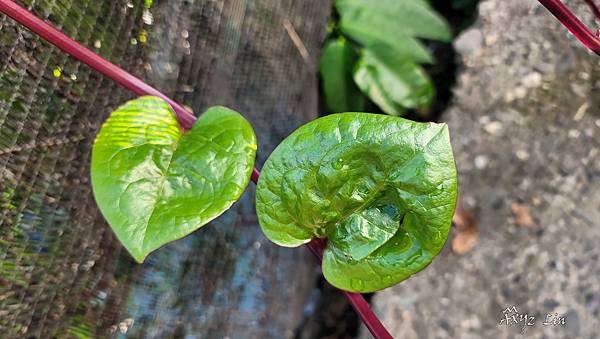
x,y
464,242
522,214
467,231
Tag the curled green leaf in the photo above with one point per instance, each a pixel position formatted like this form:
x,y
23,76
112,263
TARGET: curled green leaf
x,y
155,184
382,189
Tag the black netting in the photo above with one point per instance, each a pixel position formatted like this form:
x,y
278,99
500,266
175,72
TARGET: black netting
x,y
62,272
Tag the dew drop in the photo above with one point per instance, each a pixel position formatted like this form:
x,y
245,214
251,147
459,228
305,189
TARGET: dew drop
x,y
357,284
363,190
338,164
388,279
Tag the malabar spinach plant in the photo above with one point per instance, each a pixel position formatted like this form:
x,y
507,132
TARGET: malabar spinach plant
x,y
381,189
362,228
374,49
154,183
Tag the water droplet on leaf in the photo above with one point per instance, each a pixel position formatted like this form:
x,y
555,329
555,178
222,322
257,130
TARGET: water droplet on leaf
x,y
357,284
338,164
387,279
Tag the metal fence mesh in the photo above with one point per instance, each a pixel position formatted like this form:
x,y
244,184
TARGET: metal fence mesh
x,y
62,272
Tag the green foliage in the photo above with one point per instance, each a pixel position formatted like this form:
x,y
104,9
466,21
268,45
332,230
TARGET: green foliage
x,y
393,86
337,63
386,34
155,184
382,190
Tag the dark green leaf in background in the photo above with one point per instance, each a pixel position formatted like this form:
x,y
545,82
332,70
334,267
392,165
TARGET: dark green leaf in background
x,y
394,23
382,189
154,183
337,63
391,85
387,34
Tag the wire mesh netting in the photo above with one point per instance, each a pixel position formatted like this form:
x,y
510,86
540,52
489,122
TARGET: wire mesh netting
x,y
62,271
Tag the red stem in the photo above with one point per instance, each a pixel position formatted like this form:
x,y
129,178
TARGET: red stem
x,y
573,24
185,118
594,8
360,305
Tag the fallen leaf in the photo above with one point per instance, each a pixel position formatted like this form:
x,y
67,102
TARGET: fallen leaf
x,y
467,231
523,215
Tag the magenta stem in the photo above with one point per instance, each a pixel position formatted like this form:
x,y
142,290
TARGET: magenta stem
x,y
573,24
594,8
358,302
185,118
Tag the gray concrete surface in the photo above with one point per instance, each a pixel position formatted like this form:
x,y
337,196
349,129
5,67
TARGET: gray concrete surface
x,y
525,126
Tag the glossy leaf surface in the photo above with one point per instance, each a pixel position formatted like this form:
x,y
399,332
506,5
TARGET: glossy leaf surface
x,y
391,85
336,67
382,189
154,183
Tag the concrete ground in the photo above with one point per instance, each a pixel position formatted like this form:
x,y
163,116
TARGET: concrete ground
x,y
525,127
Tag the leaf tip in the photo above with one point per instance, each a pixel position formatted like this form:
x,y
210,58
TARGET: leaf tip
x,y
138,255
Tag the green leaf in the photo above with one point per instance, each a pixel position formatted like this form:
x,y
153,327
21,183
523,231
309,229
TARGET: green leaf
x,y
382,189
393,86
155,184
388,71
396,24
336,66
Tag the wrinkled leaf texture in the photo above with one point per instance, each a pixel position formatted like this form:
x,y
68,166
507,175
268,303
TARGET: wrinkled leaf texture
x,y
382,189
155,184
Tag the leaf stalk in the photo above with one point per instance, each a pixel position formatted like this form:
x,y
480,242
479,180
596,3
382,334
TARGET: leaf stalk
x,y
573,24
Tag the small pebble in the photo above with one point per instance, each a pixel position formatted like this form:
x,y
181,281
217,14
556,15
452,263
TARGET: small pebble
x,y
481,161
574,134
493,127
532,80
522,155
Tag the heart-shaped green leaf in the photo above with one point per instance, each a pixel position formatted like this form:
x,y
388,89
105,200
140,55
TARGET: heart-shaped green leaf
x,y
155,184
382,189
